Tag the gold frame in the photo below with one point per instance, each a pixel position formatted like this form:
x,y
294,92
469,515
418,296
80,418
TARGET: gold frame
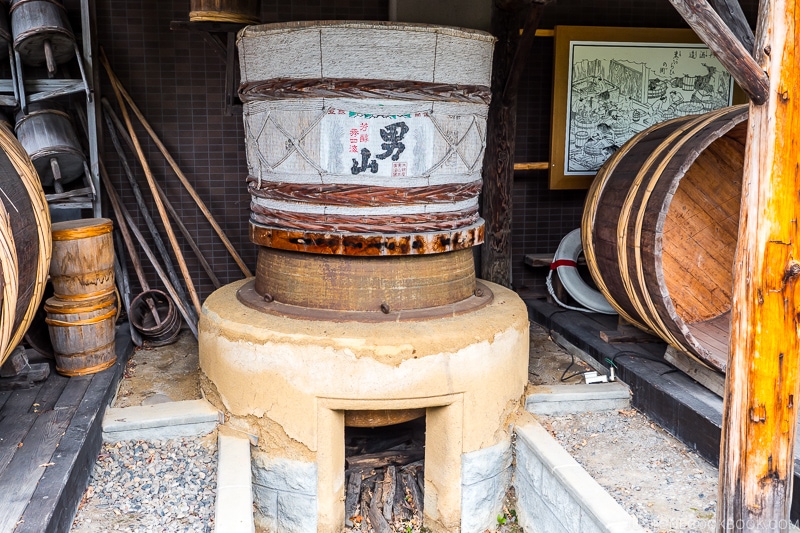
x,y
564,36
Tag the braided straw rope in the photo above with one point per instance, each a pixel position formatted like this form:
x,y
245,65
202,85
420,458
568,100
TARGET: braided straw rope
x,y
220,16
9,267
30,179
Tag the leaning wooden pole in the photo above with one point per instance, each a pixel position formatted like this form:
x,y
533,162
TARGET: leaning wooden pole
x,y
510,57
761,392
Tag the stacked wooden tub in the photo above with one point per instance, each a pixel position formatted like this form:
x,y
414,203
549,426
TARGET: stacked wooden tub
x,y
660,228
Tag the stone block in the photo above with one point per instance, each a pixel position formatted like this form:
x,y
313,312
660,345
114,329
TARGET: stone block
x,y
296,513
285,475
486,475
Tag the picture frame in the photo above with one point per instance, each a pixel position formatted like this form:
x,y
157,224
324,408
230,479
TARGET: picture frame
x,y
610,83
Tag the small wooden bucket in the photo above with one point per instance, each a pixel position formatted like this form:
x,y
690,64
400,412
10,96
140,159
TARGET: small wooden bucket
x,y
82,265
42,34
82,332
50,140
239,11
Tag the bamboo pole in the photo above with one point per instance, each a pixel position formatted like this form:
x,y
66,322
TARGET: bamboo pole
x,y
122,132
123,216
115,85
761,391
145,212
178,172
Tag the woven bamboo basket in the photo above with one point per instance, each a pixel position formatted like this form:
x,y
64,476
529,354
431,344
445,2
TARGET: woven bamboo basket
x,y
365,138
660,228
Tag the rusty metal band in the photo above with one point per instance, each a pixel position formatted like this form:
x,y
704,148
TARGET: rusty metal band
x,y
18,3
363,195
283,88
367,244
423,222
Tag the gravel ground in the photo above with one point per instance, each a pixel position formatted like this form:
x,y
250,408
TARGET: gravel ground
x,y
655,478
152,486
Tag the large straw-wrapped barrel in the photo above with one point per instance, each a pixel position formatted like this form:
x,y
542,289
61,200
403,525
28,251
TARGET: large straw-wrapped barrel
x,y
365,138
82,332
25,244
660,228
83,258
238,11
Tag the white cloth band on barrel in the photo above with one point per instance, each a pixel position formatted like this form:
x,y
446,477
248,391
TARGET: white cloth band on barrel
x,y
397,209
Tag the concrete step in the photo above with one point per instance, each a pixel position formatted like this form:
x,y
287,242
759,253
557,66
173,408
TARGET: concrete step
x,y
160,421
234,507
571,399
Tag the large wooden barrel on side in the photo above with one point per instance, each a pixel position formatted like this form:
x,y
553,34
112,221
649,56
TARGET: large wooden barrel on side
x,y
25,244
239,11
83,258
82,332
660,228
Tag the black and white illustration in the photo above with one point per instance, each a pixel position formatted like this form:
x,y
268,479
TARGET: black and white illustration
x,y
619,89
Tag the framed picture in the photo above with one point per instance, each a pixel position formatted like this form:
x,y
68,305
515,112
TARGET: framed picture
x,y
611,83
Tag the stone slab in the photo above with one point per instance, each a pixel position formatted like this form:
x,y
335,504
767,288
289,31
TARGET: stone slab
x,y
233,511
160,421
570,399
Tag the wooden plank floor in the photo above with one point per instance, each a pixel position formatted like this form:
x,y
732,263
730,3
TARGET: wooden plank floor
x,y
680,405
50,435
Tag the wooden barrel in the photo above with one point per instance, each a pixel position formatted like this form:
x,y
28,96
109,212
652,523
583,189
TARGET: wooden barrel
x,y
82,333
238,11
660,228
352,155
39,25
49,138
25,244
83,258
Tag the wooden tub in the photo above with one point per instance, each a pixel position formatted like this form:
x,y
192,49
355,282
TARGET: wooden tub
x,y
660,228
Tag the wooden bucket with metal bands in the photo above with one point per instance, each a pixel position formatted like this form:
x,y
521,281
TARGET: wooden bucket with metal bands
x,y
82,333
660,227
83,258
236,11
48,136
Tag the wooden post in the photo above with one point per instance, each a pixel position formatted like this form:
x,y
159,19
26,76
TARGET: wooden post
x,y
731,12
510,57
761,391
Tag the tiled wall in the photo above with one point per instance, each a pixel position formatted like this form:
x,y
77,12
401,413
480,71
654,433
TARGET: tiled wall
x,y
178,81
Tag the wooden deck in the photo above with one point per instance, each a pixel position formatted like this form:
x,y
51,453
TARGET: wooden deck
x,y
683,407
50,435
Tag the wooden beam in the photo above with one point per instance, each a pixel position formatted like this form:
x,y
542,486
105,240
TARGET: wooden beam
x,y
761,391
510,57
708,25
731,12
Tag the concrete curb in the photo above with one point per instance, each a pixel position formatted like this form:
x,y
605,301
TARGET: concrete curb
x,y
556,495
233,511
160,421
570,399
